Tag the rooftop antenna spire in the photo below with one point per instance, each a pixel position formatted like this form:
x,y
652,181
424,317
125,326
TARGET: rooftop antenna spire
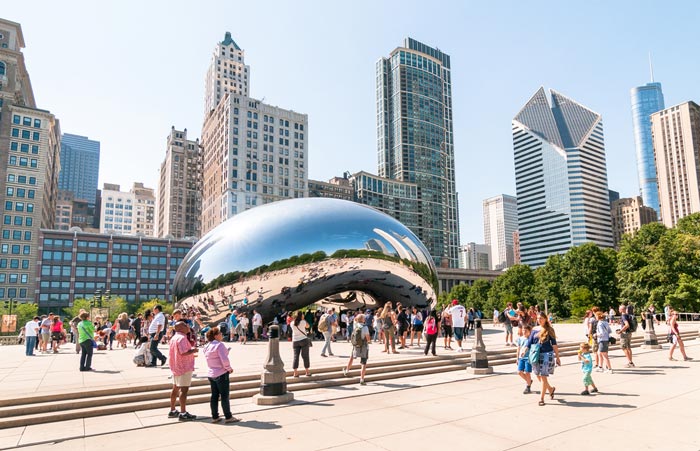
x,y
651,68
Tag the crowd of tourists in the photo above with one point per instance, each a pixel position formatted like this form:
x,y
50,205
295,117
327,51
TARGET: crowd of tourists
x,y
393,327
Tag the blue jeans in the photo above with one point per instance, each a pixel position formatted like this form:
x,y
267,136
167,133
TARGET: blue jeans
x,y
327,337
30,343
153,347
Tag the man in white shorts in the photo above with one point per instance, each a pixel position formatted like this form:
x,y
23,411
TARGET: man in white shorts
x,y
182,355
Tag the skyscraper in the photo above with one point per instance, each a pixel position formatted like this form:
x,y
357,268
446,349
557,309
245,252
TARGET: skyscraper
x,y
676,138
180,188
628,216
646,100
475,256
415,140
227,73
560,176
500,222
30,144
80,166
252,153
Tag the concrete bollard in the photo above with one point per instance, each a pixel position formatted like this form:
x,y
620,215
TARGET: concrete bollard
x,y
273,387
650,340
479,361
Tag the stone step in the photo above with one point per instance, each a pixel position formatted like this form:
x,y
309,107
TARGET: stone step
x,y
35,409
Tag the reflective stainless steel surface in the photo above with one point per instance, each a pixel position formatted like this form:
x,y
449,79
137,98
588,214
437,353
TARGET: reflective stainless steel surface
x,y
289,254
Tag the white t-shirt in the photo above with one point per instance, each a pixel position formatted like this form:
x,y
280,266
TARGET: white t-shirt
x,y
257,319
458,313
30,329
298,332
158,320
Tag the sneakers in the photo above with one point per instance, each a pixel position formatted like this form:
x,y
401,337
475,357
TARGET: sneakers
x,y
162,362
687,359
629,365
173,414
609,370
345,372
362,382
216,420
527,390
186,417
324,355
585,393
599,369
460,349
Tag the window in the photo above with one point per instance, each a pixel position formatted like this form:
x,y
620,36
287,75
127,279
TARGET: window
x,y
35,136
16,119
26,134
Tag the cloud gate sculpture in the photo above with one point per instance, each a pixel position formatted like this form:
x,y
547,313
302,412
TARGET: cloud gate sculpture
x,y
290,254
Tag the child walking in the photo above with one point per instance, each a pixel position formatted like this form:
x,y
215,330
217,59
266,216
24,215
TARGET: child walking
x,y
586,359
524,365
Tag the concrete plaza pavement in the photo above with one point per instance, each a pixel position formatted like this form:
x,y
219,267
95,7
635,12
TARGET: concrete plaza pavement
x,y
653,406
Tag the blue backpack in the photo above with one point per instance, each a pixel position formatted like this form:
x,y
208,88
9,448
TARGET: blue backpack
x,y
534,355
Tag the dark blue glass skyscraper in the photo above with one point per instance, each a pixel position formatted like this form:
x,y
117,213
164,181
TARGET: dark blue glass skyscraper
x,y
80,166
646,100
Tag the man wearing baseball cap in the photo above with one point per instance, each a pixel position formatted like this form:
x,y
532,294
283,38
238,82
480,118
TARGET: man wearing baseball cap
x,y
458,314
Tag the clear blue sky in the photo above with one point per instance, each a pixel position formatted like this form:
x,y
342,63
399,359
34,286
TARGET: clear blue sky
x,y
124,72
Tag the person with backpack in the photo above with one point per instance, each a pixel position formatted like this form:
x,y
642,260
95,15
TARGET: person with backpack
x,y
325,326
431,332
360,347
626,329
544,354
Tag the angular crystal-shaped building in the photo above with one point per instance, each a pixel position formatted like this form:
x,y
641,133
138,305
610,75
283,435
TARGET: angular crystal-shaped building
x,y
561,177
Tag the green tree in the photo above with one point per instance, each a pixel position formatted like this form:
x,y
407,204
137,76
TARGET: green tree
x,y
24,312
479,294
582,299
514,285
636,276
148,305
78,304
549,286
686,297
594,268
460,292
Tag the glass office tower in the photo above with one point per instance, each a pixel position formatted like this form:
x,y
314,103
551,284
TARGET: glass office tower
x,y
80,166
415,140
646,100
560,177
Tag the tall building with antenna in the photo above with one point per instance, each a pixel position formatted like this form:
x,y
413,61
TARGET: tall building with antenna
x,y
646,100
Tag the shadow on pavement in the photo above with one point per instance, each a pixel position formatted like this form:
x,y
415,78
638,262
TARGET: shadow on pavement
x,y
107,371
595,404
651,372
396,385
608,393
254,424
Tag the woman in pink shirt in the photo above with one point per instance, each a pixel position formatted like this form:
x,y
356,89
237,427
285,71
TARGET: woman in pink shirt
x,y
219,368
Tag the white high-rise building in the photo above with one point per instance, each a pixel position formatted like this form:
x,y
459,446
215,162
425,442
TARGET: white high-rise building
x,y
500,221
131,213
475,256
252,153
227,73
560,177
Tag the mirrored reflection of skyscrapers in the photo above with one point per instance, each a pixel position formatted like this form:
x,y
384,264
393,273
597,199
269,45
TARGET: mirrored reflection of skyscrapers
x,y
560,177
415,140
646,100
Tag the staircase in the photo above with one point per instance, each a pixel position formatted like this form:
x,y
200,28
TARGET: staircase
x,y
47,408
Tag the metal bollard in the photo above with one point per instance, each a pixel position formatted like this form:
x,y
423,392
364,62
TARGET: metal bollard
x,y
273,386
479,361
650,340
